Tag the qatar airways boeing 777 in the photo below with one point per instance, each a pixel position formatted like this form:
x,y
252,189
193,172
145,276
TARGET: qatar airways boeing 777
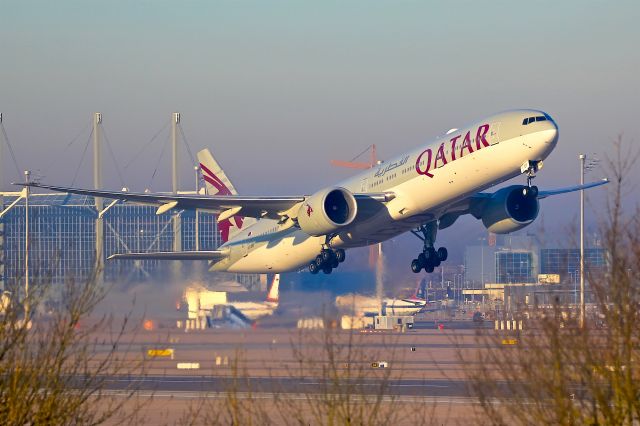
x,y
421,191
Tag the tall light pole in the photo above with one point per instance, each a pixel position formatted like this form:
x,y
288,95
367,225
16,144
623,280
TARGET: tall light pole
x,y
27,303
584,166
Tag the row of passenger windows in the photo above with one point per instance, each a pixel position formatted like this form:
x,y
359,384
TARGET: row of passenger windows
x,y
533,119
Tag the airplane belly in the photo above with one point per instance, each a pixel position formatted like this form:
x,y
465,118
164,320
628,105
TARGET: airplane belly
x,y
288,253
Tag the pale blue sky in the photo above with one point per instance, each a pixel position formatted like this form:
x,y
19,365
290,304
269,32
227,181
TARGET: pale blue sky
x,y
278,88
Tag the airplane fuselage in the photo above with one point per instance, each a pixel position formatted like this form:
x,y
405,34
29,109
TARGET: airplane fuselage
x,y
425,182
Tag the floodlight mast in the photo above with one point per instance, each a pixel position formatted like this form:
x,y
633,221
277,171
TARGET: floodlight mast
x,y
27,307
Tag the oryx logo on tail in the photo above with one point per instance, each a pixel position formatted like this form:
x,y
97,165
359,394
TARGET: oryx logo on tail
x,y
217,183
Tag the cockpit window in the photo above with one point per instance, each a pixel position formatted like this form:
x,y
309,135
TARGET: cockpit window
x,y
533,119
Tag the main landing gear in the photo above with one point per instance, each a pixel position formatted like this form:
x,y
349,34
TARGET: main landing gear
x,y
327,260
430,258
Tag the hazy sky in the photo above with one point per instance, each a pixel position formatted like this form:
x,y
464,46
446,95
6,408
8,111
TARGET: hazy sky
x,y
278,88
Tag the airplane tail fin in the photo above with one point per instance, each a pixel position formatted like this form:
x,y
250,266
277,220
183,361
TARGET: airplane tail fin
x,y
421,291
420,294
217,183
274,292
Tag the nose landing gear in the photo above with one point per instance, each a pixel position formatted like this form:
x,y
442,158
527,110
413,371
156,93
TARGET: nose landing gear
x,y
327,260
530,168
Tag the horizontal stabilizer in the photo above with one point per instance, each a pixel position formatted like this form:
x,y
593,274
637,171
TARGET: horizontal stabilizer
x,y
172,255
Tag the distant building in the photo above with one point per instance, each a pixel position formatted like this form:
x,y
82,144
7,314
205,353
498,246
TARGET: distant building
x,y
516,266
566,262
502,262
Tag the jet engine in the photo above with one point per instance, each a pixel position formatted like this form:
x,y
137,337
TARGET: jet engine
x,y
511,209
326,211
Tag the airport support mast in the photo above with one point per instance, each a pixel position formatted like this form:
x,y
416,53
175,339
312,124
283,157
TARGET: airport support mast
x,y
176,219
2,142
97,184
583,157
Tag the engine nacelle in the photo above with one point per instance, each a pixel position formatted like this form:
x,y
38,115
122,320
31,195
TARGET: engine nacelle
x,y
511,209
326,211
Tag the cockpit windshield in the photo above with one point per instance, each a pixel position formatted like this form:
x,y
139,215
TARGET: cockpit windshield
x,y
530,120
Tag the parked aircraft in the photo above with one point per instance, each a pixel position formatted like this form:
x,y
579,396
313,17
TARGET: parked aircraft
x,y
368,306
255,310
421,191
201,302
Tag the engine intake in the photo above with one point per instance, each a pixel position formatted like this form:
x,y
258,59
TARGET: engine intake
x,y
510,209
326,211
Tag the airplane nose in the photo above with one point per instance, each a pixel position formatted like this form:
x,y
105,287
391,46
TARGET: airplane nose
x,y
554,132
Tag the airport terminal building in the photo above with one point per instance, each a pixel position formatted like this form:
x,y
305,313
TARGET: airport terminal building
x,y
62,239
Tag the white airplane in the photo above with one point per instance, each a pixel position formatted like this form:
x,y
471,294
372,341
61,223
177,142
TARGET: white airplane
x,y
422,191
368,306
200,302
255,310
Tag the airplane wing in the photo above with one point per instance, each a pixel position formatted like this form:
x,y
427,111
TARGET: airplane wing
x,y
545,194
474,204
272,207
172,255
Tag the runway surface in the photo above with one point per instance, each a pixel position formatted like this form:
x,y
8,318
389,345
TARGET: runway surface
x,y
179,383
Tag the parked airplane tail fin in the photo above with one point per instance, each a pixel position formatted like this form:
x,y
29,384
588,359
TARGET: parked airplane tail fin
x,y
420,294
217,183
274,292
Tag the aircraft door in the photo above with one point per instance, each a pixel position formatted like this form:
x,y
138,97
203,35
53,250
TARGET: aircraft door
x,y
494,133
363,185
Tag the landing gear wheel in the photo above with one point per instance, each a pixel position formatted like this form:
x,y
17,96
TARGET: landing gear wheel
x,y
430,254
327,260
443,254
430,258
